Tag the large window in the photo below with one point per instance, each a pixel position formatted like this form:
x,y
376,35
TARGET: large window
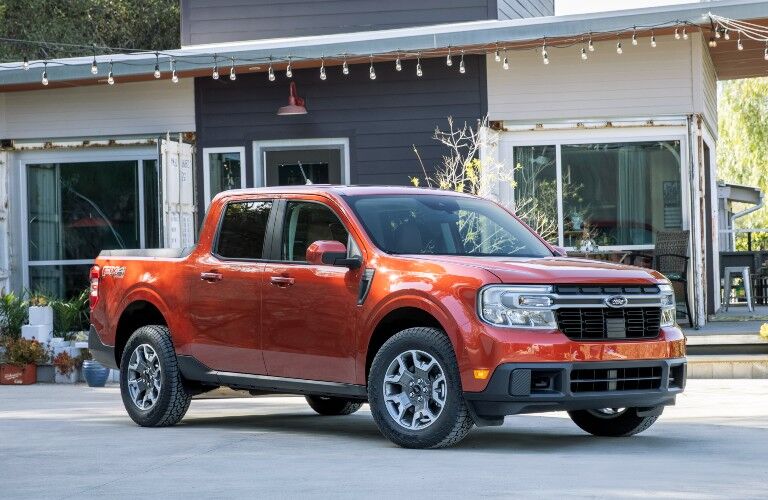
x,y
615,194
75,210
224,169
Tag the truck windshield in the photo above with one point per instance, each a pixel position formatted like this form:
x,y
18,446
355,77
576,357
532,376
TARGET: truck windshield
x,y
444,225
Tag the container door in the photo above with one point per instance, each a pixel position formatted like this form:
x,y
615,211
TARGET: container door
x,y
178,193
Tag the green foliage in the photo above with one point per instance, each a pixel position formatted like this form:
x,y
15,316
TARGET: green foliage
x,y
70,315
130,24
742,152
13,315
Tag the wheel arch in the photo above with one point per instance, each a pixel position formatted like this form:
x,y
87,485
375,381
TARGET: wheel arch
x,y
139,310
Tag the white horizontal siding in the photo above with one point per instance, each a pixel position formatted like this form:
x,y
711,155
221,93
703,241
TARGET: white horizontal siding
x,y
709,88
643,81
99,111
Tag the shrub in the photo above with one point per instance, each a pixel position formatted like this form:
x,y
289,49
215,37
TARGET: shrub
x,y
13,315
70,315
24,352
64,363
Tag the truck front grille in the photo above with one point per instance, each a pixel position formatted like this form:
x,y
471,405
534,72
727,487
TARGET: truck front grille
x,y
603,323
616,379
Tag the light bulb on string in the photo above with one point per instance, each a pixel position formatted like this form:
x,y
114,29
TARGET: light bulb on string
x,y
25,64
289,69
44,79
619,50
270,72
174,76
398,64
110,75
685,34
232,75
739,45
590,45
372,71
677,34
215,74
584,54
94,67
544,54
727,34
653,40
712,42
345,66
449,59
497,55
419,73
634,37
717,33
323,76
157,66
462,69
505,64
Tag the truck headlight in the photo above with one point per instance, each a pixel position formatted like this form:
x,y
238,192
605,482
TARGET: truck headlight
x,y
668,306
517,306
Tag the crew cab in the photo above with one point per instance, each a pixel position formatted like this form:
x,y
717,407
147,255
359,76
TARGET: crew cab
x,y
441,310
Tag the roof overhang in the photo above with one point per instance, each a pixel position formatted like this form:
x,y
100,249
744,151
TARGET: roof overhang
x,y
475,37
739,193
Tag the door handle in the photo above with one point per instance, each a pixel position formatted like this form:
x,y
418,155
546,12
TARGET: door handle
x,y
282,281
211,277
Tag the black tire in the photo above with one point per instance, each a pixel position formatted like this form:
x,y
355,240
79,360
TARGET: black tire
x,y
333,406
627,423
454,420
173,399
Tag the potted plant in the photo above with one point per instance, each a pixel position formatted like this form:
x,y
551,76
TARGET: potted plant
x,y
13,315
21,359
66,368
94,372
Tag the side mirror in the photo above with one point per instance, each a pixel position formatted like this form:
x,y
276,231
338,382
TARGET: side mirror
x,y
560,251
330,253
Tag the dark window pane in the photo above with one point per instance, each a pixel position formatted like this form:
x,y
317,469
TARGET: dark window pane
x,y
224,172
64,282
243,229
306,223
151,205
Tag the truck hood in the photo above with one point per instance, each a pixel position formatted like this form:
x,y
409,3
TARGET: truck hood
x,y
549,270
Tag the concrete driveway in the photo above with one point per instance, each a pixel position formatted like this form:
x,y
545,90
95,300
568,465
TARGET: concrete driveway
x,y
73,442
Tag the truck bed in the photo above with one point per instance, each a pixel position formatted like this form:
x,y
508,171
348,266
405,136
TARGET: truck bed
x,y
149,253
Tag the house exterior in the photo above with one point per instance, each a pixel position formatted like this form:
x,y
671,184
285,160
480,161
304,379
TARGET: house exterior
x,y
617,146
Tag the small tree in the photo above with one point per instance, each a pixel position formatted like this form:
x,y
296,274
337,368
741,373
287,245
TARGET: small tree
x,y
464,171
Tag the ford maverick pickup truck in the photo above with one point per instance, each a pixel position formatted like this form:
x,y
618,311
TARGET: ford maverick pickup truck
x,y
440,310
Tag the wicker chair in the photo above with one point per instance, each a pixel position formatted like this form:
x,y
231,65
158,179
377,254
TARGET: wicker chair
x,y
670,258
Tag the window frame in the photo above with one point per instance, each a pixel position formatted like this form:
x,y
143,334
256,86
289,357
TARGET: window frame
x,y
573,136
260,148
265,249
207,169
275,254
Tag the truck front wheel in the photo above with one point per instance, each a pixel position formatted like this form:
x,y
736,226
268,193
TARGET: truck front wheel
x,y
612,422
415,392
150,381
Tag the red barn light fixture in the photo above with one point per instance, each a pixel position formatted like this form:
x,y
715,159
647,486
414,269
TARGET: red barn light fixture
x,y
295,104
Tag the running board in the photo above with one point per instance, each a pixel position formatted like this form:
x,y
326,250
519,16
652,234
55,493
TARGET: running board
x,y
192,369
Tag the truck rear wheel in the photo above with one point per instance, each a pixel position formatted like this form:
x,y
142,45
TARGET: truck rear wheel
x,y
415,392
150,381
612,422
333,406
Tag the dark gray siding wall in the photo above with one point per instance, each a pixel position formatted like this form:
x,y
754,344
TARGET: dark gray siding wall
x,y
211,21
518,9
382,118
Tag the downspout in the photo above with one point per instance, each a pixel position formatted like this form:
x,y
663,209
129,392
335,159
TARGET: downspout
x,y
738,215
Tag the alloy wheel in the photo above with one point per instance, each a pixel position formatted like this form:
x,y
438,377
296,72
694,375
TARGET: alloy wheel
x,y
145,377
415,389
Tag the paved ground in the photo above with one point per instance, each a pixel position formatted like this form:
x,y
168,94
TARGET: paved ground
x,y
75,442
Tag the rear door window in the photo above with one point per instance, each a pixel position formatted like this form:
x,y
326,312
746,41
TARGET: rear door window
x,y
243,228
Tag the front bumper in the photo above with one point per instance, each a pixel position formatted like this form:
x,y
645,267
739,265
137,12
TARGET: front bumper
x,y
540,387
104,354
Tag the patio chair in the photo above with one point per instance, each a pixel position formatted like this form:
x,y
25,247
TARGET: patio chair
x,y
670,258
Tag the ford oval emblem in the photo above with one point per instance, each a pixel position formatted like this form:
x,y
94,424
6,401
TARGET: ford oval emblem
x,y
616,301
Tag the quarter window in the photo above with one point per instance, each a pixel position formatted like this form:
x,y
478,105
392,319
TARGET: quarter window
x,y
306,223
242,231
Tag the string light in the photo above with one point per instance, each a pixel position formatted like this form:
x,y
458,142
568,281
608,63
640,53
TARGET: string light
x,y
677,34
739,45
289,69
215,74
398,64
323,76
685,34
44,80
653,40
25,64
371,71
590,45
497,56
765,52
174,76
232,75
727,35
345,66
634,36
584,54
419,73
157,66
619,50
712,42
449,59
544,54
271,72
94,67
110,75
717,33
462,69
505,64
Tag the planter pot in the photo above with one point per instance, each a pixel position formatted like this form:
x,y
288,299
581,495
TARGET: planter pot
x,y
18,374
46,374
69,378
41,315
95,373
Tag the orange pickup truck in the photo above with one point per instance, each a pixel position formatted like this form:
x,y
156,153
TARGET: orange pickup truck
x,y
441,310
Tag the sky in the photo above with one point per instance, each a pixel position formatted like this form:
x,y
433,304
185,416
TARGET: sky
x,y
565,7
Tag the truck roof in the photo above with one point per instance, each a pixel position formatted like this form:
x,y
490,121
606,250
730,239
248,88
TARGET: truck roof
x,y
341,190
